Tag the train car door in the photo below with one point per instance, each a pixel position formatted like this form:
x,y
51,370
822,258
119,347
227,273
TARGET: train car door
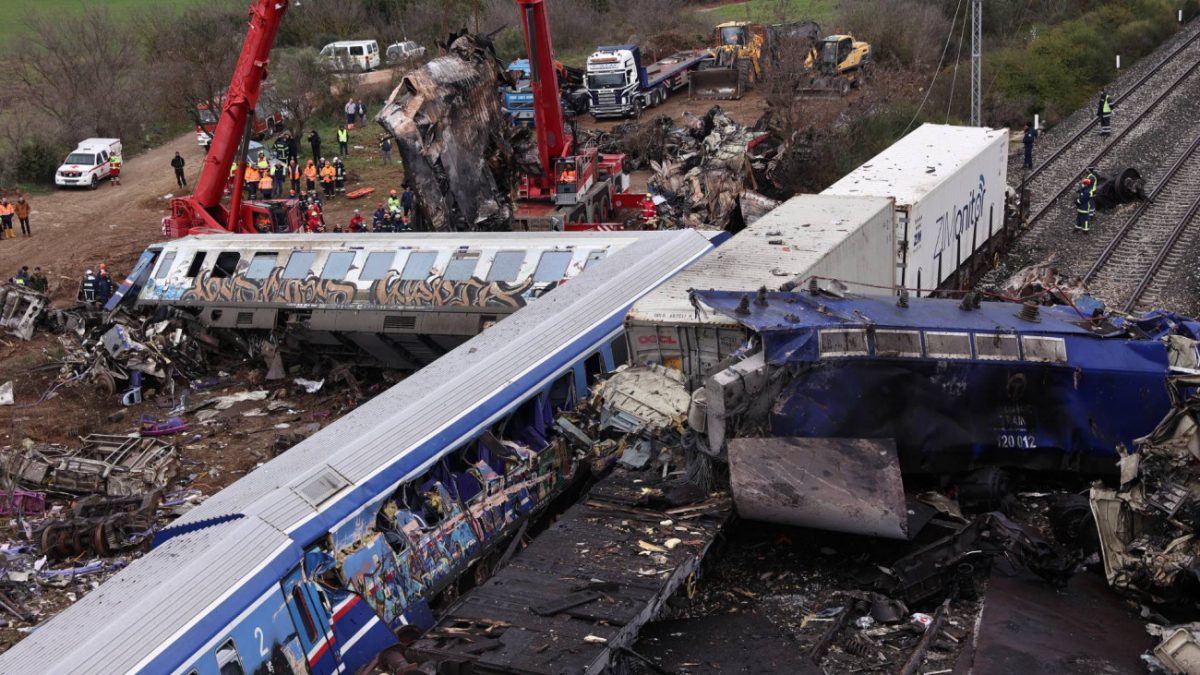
x,y
312,620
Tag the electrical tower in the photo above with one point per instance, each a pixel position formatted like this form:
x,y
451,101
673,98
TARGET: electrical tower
x,y
976,62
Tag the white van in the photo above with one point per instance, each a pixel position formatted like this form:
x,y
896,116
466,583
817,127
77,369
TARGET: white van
x,y
87,164
352,55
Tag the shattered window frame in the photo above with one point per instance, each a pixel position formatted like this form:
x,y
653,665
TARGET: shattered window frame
x,y
502,267
303,259
255,269
548,262
619,348
414,263
370,270
226,264
164,265
227,655
334,267
197,264
938,345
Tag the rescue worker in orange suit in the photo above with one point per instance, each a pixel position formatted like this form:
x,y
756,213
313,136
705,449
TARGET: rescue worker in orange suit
x,y
22,208
251,178
6,218
293,173
310,176
1085,206
266,185
567,175
328,174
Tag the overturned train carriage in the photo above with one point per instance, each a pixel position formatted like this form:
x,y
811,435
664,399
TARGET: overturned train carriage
x,y
315,561
402,300
928,387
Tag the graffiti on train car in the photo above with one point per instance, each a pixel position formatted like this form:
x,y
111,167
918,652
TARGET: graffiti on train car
x,y
390,291
310,290
440,292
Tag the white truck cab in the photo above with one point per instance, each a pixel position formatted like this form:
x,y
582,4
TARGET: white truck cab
x,y
87,164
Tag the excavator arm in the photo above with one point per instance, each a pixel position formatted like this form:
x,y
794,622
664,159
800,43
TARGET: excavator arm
x,y
202,211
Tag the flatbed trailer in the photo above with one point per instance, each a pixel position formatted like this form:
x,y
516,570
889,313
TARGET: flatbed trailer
x,y
620,86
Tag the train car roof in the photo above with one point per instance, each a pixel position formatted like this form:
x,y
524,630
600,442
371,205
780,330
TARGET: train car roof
x,y
222,556
372,437
352,240
779,247
913,166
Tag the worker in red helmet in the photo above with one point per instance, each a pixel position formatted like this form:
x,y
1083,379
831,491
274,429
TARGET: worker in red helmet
x,y
649,210
1085,206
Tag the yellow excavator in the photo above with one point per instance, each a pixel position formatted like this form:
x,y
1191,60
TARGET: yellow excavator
x,y
837,62
740,56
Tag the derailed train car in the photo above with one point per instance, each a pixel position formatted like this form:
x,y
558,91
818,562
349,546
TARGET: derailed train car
x,y
401,299
315,561
924,386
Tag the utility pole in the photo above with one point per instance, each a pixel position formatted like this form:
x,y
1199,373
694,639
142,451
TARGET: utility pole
x,y
976,62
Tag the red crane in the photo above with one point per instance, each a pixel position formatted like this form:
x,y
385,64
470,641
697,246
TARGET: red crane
x,y
202,211
577,189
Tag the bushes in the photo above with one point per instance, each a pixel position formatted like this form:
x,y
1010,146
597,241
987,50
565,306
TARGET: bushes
x,y
36,162
909,32
1062,67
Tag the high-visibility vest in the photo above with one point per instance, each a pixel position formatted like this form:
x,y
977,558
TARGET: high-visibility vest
x,y
294,172
310,172
252,175
343,136
393,203
263,165
327,173
1107,105
265,182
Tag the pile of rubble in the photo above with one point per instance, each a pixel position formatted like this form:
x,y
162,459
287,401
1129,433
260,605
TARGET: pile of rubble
x,y
1148,529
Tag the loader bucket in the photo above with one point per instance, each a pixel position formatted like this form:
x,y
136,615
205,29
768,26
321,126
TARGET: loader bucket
x,y
715,83
840,484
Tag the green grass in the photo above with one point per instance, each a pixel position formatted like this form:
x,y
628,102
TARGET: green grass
x,y
774,11
15,11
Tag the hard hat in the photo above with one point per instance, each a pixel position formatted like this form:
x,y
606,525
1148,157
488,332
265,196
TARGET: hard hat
x,y
356,210
89,272
103,266
1087,181
393,192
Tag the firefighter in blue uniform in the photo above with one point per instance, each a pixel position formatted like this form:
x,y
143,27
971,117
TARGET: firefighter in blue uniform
x,y
1085,206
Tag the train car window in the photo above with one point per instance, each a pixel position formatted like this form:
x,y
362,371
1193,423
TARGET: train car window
x,y
229,662
310,629
261,265
197,263
337,266
562,392
377,266
226,264
552,266
462,266
418,265
593,368
593,257
299,265
164,266
620,351
506,266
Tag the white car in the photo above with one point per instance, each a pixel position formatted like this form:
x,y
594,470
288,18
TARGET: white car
x,y
401,52
87,164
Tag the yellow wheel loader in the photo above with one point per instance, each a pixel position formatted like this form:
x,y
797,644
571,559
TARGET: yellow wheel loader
x,y
837,63
740,57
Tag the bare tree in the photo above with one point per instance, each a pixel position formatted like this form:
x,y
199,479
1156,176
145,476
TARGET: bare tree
x,y
83,72
195,59
303,87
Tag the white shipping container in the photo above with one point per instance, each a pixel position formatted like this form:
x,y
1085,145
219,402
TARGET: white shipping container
x,y
948,183
847,238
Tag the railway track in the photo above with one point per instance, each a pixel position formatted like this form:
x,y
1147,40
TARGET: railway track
x,y
1148,248
1057,175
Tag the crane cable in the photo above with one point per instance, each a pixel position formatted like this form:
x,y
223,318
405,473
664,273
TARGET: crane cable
x,y
946,48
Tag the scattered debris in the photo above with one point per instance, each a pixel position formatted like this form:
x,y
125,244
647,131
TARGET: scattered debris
x,y
117,466
20,309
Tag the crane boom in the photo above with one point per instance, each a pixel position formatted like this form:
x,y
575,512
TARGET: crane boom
x,y
547,105
202,210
